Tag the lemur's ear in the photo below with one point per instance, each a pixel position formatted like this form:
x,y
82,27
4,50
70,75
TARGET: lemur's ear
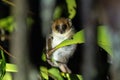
x,y
69,21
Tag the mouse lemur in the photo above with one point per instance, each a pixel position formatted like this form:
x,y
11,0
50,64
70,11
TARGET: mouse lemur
x,y
62,29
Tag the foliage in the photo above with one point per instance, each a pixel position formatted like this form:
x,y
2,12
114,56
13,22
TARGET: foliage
x,y
11,67
2,65
7,76
104,40
57,12
8,23
71,4
55,74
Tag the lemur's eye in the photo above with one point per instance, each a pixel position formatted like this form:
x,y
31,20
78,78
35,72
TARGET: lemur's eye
x,y
61,28
57,27
64,27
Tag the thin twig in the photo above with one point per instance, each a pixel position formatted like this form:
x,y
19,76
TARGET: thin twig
x,y
7,52
13,5
8,2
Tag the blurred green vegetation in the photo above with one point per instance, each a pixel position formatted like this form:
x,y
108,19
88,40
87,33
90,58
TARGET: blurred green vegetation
x,y
2,65
8,23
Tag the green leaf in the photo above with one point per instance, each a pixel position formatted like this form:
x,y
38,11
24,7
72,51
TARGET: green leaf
x,y
57,12
71,5
11,67
103,39
7,76
72,76
44,72
79,77
55,74
7,23
77,38
43,56
75,77
2,66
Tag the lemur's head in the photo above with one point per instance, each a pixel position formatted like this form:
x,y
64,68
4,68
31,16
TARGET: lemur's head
x,y
61,25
